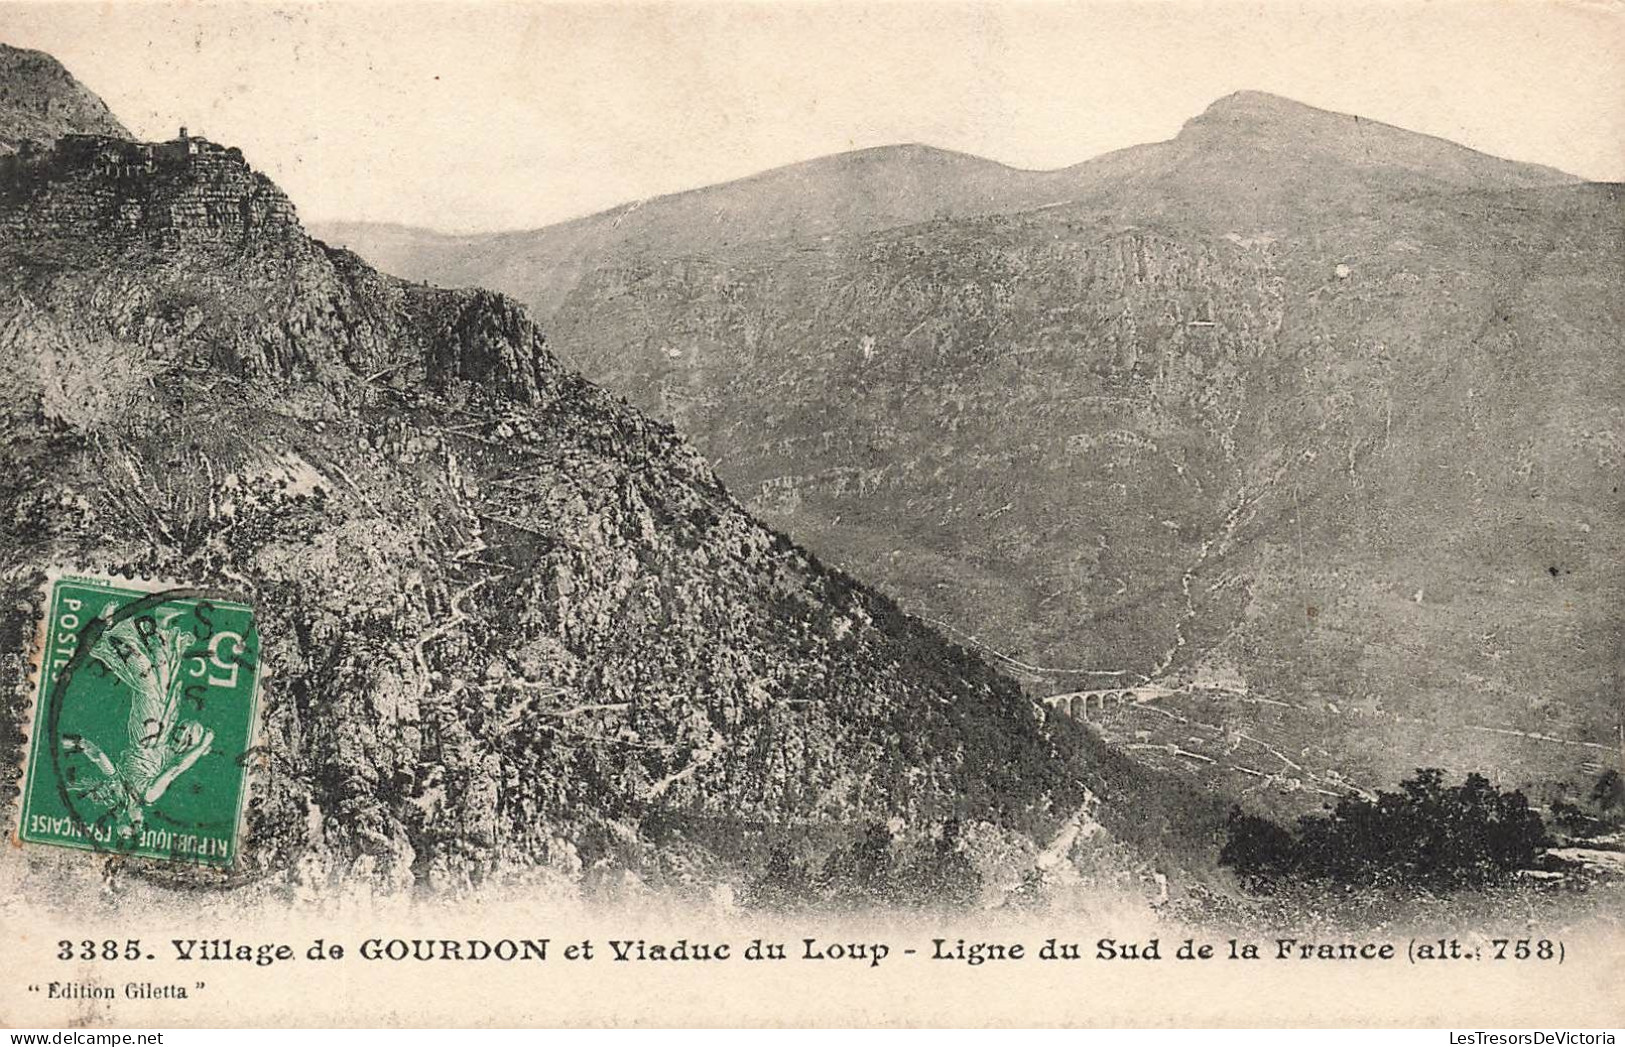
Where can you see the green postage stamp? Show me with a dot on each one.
(144, 712)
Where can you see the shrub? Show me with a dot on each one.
(1426, 836)
(872, 871)
(1260, 851)
(941, 876)
(1609, 792)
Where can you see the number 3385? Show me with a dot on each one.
(107, 949)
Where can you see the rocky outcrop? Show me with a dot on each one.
(40, 101)
(184, 242)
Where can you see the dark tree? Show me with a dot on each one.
(1260, 851)
(860, 873)
(1609, 793)
(942, 876)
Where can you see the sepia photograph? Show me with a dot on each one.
(906, 513)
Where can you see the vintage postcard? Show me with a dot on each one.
(1095, 513)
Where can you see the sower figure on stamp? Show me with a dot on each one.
(147, 656)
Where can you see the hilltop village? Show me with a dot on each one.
(94, 184)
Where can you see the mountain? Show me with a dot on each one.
(1300, 141)
(887, 187)
(852, 192)
(513, 630)
(40, 101)
(1293, 441)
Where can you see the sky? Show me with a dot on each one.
(483, 116)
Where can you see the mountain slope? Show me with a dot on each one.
(40, 101)
(1249, 125)
(875, 189)
(509, 624)
(851, 192)
(1306, 426)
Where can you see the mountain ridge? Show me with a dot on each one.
(1249, 108)
(887, 187)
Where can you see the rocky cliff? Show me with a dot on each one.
(40, 101)
(104, 189)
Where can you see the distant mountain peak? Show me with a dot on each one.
(1260, 101)
(912, 151)
(1260, 120)
(41, 101)
(901, 158)
(1260, 109)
